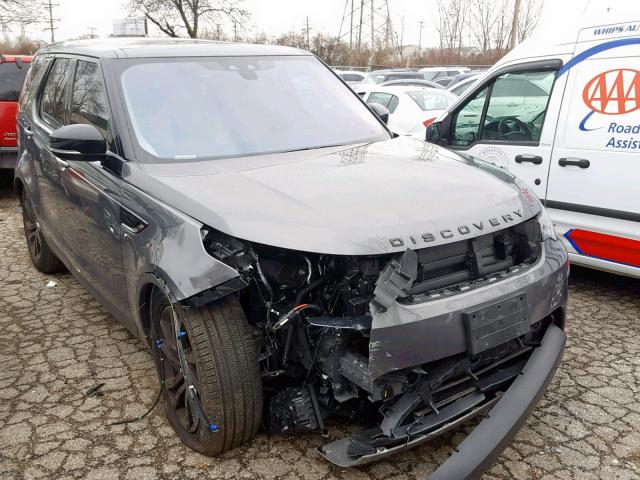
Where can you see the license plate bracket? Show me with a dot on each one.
(495, 324)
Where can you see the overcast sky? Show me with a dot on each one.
(275, 17)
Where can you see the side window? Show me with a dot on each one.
(53, 100)
(517, 106)
(11, 79)
(388, 100)
(352, 77)
(32, 80)
(393, 104)
(459, 90)
(515, 111)
(88, 100)
(466, 123)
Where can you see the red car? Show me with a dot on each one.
(13, 70)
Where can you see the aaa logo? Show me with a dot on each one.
(613, 92)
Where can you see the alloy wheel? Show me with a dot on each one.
(180, 372)
(32, 229)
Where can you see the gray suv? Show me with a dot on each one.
(288, 261)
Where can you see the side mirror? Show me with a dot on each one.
(433, 132)
(381, 111)
(78, 142)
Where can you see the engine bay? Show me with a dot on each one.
(313, 314)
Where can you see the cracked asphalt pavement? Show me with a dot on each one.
(57, 342)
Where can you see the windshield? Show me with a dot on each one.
(431, 100)
(11, 78)
(205, 108)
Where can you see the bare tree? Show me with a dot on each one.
(528, 18)
(502, 28)
(482, 19)
(176, 18)
(18, 15)
(451, 23)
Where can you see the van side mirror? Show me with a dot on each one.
(381, 111)
(433, 132)
(78, 142)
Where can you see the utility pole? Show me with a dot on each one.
(351, 29)
(308, 38)
(373, 30)
(401, 46)
(360, 26)
(514, 26)
(217, 31)
(49, 6)
(92, 32)
(235, 31)
(420, 24)
(369, 25)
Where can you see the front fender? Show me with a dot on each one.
(167, 252)
(24, 177)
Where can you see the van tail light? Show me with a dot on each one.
(428, 122)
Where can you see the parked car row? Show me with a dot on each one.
(411, 97)
(438, 77)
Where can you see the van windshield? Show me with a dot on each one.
(11, 79)
(220, 107)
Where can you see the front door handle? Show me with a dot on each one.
(575, 162)
(529, 159)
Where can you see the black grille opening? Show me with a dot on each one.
(458, 264)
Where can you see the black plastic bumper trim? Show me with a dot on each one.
(485, 444)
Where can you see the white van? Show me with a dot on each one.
(565, 118)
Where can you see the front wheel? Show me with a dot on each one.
(207, 359)
(41, 254)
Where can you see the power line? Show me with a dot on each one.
(367, 18)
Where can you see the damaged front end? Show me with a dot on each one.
(409, 345)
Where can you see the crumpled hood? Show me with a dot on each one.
(359, 200)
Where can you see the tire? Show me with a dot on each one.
(41, 255)
(221, 354)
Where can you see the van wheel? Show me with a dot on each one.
(207, 361)
(41, 255)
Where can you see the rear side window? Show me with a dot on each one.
(386, 99)
(88, 101)
(459, 90)
(403, 77)
(352, 77)
(53, 101)
(11, 80)
(430, 101)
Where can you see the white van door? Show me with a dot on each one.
(510, 120)
(593, 192)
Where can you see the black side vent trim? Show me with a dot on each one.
(131, 222)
